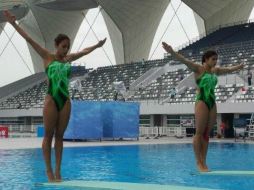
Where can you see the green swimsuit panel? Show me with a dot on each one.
(207, 83)
(58, 75)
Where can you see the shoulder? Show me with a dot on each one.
(200, 70)
(68, 58)
(216, 70)
(49, 60)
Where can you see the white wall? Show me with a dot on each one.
(151, 107)
(21, 113)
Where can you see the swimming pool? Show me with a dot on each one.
(171, 164)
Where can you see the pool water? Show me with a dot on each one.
(171, 164)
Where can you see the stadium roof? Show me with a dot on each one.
(217, 13)
(132, 24)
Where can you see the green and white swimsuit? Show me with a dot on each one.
(58, 75)
(207, 83)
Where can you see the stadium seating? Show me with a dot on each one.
(234, 45)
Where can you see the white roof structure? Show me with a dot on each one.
(132, 24)
(217, 13)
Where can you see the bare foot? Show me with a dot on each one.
(205, 166)
(58, 177)
(51, 177)
(202, 168)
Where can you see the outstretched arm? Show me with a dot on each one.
(225, 70)
(75, 56)
(191, 65)
(40, 50)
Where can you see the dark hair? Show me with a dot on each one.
(60, 38)
(208, 54)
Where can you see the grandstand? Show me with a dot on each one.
(97, 85)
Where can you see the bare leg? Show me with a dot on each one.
(50, 117)
(204, 149)
(201, 118)
(63, 120)
(211, 122)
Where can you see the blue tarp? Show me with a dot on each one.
(97, 120)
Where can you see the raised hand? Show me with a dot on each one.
(167, 47)
(101, 42)
(9, 17)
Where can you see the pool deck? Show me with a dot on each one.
(27, 143)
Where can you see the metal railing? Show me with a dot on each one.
(22, 128)
(162, 131)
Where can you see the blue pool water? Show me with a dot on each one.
(158, 164)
